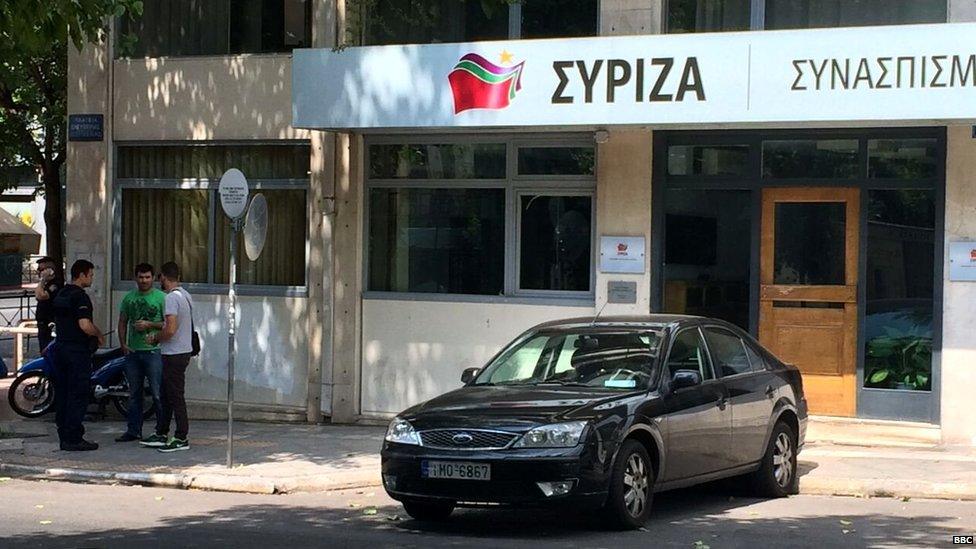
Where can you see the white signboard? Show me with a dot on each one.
(233, 193)
(867, 75)
(962, 261)
(622, 254)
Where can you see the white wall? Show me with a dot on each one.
(272, 355)
(416, 350)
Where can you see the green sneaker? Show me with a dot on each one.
(175, 445)
(154, 441)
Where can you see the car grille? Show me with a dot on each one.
(466, 439)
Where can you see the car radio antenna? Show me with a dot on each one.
(600, 312)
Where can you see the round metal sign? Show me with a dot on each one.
(233, 193)
(256, 227)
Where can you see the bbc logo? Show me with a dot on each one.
(964, 540)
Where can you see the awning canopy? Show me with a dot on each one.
(15, 237)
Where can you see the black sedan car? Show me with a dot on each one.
(602, 413)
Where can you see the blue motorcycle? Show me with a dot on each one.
(32, 392)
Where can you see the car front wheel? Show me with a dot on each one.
(777, 476)
(628, 504)
(429, 510)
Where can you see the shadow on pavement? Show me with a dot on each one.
(708, 515)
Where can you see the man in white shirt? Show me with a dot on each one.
(176, 344)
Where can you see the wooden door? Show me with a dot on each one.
(808, 289)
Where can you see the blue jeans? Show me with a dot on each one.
(139, 366)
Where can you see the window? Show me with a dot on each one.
(555, 242)
(170, 211)
(688, 353)
(559, 18)
(439, 216)
(556, 160)
(160, 225)
(449, 241)
(898, 319)
(597, 358)
(717, 160)
(707, 15)
(210, 27)
(385, 22)
(811, 158)
(903, 158)
(437, 161)
(707, 264)
(727, 351)
(755, 358)
(804, 14)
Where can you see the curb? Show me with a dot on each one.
(890, 488)
(203, 481)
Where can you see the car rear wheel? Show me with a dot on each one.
(777, 476)
(429, 510)
(628, 504)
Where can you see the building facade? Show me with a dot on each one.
(439, 182)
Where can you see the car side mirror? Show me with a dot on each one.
(468, 374)
(685, 378)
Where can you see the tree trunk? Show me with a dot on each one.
(51, 178)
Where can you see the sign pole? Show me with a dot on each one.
(231, 341)
(233, 191)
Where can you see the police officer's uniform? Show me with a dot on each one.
(72, 363)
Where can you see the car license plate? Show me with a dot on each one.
(457, 470)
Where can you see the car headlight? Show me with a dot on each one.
(557, 435)
(401, 432)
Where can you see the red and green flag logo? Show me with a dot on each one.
(480, 84)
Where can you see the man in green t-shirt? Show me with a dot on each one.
(141, 315)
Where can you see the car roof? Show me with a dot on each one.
(633, 321)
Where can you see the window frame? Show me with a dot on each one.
(727, 331)
(514, 186)
(757, 20)
(667, 358)
(215, 215)
(117, 27)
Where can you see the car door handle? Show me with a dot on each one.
(769, 391)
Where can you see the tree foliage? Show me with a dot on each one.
(34, 40)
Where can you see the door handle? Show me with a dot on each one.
(769, 391)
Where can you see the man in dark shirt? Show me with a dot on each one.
(77, 334)
(47, 289)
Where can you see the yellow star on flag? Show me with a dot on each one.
(506, 57)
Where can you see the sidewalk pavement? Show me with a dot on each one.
(283, 458)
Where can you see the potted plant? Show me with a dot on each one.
(899, 360)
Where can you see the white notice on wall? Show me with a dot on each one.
(622, 254)
(962, 261)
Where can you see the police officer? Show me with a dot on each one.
(77, 337)
(45, 292)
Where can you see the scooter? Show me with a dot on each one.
(32, 392)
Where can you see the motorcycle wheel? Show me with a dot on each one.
(148, 406)
(31, 394)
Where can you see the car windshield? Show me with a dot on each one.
(599, 358)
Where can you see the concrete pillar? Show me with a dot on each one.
(623, 201)
(88, 186)
(959, 298)
(347, 276)
(321, 199)
(624, 166)
(627, 17)
(962, 11)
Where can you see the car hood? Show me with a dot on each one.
(511, 408)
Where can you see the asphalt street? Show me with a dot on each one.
(53, 514)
